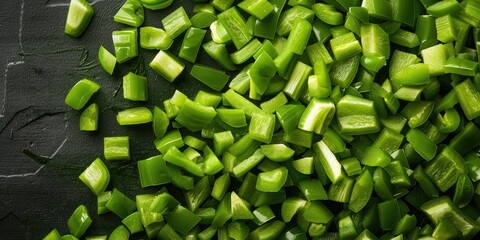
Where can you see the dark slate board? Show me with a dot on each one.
(38, 64)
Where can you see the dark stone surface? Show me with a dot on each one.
(38, 64)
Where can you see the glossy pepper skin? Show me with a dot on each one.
(80, 93)
(79, 15)
(131, 13)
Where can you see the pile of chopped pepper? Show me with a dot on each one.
(333, 119)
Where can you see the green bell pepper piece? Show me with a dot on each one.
(272, 181)
(133, 223)
(329, 161)
(152, 171)
(421, 144)
(80, 93)
(96, 177)
(131, 13)
(116, 148)
(106, 60)
(120, 233)
(125, 43)
(356, 115)
(182, 220)
(79, 15)
(167, 66)
(79, 221)
(154, 38)
(446, 168)
(120, 204)
(156, 4)
(362, 191)
(89, 118)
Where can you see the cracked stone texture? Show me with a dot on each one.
(38, 64)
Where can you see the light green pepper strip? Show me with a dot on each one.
(466, 140)
(79, 15)
(389, 213)
(257, 8)
(289, 116)
(219, 33)
(222, 5)
(191, 44)
(243, 167)
(405, 38)
(426, 31)
(274, 103)
(167, 232)
(152, 171)
(299, 35)
(297, 82)
(261, 72)
(380, 9)
(89, 118)
(277, 152)
(79, 221)
(172, 138)
(219, 53)
(342, 73)
(398, 175)
(388, 140)
(213, 78)
(329, 161)
(285, 63)
(267, 26)
(347, 228)
(263, 214)
(268, 231)
(461, 66)
(469, 98)
(233, 117)
(316, 212)
(125, 43)
(195, 116)
(446, 168)
(357, 115)
(319, 84)
(341, 190)
(399, 61)
(221, 141)
(421, 144)
(178, 179)
(120, 204)
(412, 75)
(208, 98)
(287, 18)
(163, 203)
(203, 19)
(177, 158)
(235, 25)
(116, 148)
(443, 8)
(96, 176)
(448, 122)
(199, 194)
(176, 22)
(182, 220)
(262, 126)
(272, 181)
(327, 13)
(221, 186)
(240, 208)
(292, 206)
(131, 13)
(362, 191)
(154, 38)
(156, 4)
(160, 122)
(133, 223)
(383, 187)
(446, 30)
(80, 93)
(239, 102)
(167, 66)
(106, 60)
(375, 157)
(351, 166)
(246, 52)
(53, 235)
(345, 46)
(267, 47)
(435, 57)
(134, 116)
(102, 200)
(464, 191)
(417, 112)
(317, 116)
(317, 52)
(443, 208)
(135, 87)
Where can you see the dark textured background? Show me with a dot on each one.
(38, 65)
